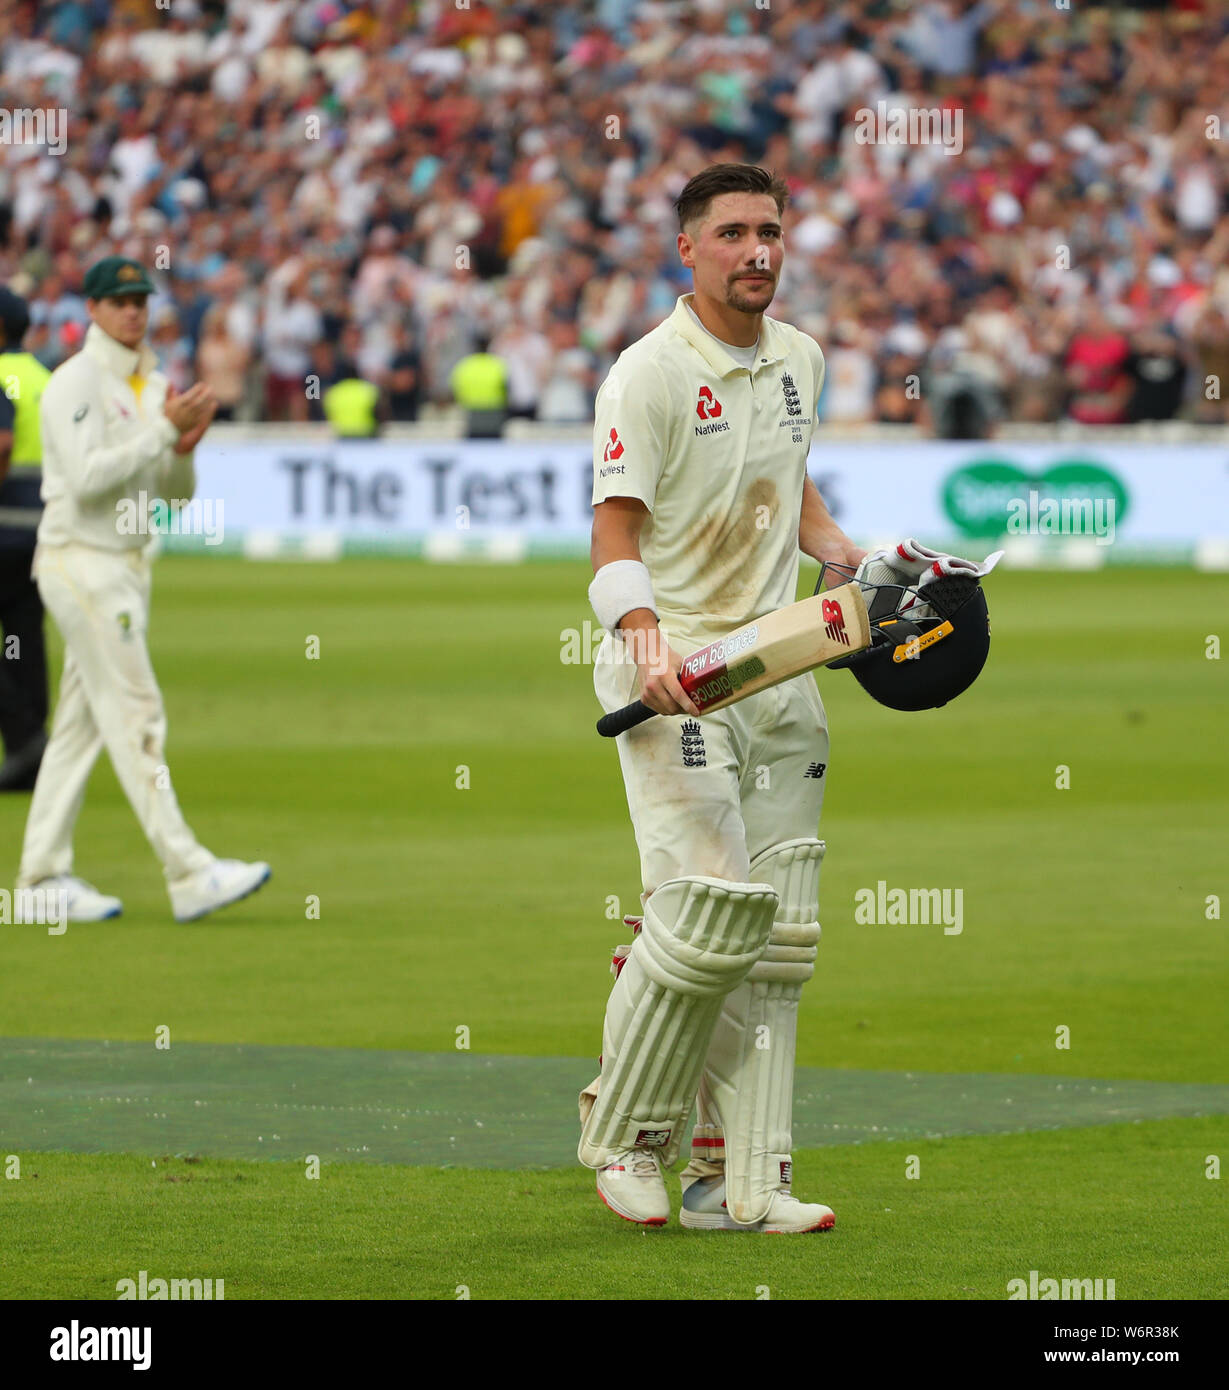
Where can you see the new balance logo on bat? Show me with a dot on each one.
(834, 621)
(724, 649)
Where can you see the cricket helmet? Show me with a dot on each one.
(928, 646)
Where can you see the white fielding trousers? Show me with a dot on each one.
(109, 698)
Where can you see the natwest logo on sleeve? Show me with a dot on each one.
(614, 447)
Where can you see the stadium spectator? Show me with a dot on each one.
(292, 326)
(449, 338)
(384, 274)
(327, 369)
(1098, 381)
(897, 399)
(402, 380)
(353, 407)
(479, 383)
(849, 383)
(567, 396)
(942, 35)
(222, 362)
(528, 354)
(1036, 387)
(465, 167)
(1210, 340)
(57, 307)
(23, 667)
(1158, 374)
(174, 349)
(522, 203)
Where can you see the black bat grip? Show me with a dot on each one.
(620, 720)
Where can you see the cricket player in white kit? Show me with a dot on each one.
(702, 505)
(114, 439)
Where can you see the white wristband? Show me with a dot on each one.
(619, 587)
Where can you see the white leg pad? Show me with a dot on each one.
(701, 937)
(746, 1093)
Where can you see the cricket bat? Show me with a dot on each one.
(772, 649)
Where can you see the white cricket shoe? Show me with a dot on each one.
(223, 882)
(704, 1209)
(75, 900)
(632, 1187)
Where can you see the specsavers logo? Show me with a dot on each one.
(994, 497)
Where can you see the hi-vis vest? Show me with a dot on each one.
(350, 407)
(480, 382)
(22, 378)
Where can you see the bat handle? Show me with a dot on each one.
(620, 720)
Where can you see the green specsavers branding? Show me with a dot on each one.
(1076, 497)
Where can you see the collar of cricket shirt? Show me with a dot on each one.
(113, 355)
(772, 340)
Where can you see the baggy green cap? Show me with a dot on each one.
(116, 275)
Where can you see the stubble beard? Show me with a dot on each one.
(749, 301)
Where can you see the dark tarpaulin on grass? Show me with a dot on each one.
(473, 1111)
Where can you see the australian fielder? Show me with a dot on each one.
(702, 504)
(114, 440)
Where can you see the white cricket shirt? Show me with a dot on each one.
(718, 454)
(104, 445)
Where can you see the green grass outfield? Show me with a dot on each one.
(1127, 1202)
(486, 909)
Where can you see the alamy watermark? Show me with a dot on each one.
(143, 515)
(39, 907)
(77, 1343)
(884, 906)
(586, 646)
(156, 1289)
(1036, 515)
(26, 126)
(1034, 1287)
(910, 125)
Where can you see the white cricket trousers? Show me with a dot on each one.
(109, 698)
(706, 796)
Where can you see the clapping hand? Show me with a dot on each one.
(190, 413)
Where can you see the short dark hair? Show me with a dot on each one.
(693, 202)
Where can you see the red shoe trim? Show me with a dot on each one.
(652, 1221)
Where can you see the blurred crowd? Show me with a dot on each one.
(328, 189)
